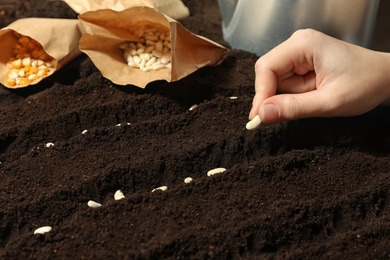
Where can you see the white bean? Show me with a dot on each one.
(145, 56)
(42, 230)
(119, 195)
(93, 204)
(140, 50)
(254, 123)
(158, 66)
(166, 58)
(215, 171)
(162, 188)
(151, 37)
(157, 53)
(193, 107)
(149, 49)
(49, 145)
(84, 132)
(123, 45)
(159, 46)
(188, 180)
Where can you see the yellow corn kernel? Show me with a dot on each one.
(22, 55)
(13, 74)
(42, 72)
(44, 56)
(36, 53)
(32, 77)
(26, 61)
(27, 69)
(34, 70)
(21, 73)
(24, 81)
(24, 40)
(16, 64)
(10, 82)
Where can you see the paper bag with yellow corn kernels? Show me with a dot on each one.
(140, 45)
(34, 48)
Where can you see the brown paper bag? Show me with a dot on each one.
(105, 30)
(173, 8)
(58, 37)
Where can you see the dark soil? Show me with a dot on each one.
(313, 188)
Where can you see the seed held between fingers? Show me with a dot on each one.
(254, 123)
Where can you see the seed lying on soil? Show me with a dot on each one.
(49, 145)
(233, 97)
(193, 107)
(188, 180)
(29, 63)
(152, 52)
(119, 195)
(254, 123)
(84, 132)
(42, 230)
(162, 188)
(93, 204)
(215, 171)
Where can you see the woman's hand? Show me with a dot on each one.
(314, 75)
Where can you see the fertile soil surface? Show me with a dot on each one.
(313, 188)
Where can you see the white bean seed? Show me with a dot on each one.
(157, 53)
(84, 132)
(254, 123)
(193, 107)
(151, 61)
(159, 46)
(166, 58)
(49, 145)
(150, 42)
(146, 68)
(93, 204)
(42, 230)
(158, 66)
(145, 56)
(188, 180)
(119, 195)
(123, 45)
(162, 188)
(215, 171)
(149, 49)
(151, 37)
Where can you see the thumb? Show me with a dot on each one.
(291, 106)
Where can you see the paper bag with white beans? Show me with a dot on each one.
(151, 34)
(173, 8)
(34, 48)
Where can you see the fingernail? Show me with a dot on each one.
(269, 112)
